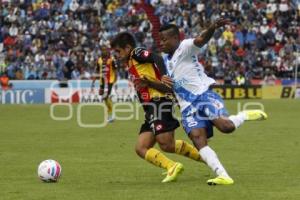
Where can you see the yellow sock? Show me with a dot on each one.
(186, 149)
(108, 103)
(158, 159)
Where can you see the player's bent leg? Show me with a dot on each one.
(144, 149)
(187, 150)
(215, 110)
(224, 124)
(198, 137)
(158, 159)
(228, 125)
(146, 140)
(166, 142)
(208, 155)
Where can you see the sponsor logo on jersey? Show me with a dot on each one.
(158, 127)
(146, 53)
(191, 124)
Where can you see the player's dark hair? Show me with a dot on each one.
(174, 30)
(123, 39)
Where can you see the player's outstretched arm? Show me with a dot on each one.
(205, 36)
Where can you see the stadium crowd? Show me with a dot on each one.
(55, 39)
(262, 40)
(62, 39)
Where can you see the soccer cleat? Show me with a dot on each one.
(110, 119)
(220, 180)
(255, 115)
(173, 172)
(164, 173)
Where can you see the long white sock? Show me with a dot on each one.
(238, 119)
(212, 160)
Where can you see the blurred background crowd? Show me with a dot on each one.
(56, 39)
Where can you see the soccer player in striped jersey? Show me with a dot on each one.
(106, 71)
(145, 69)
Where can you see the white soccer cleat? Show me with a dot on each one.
(110, 119)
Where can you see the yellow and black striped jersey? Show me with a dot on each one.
(143, 63)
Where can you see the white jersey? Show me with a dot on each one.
(188, 74)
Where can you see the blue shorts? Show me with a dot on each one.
(200, 114)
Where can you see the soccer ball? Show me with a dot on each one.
(49, 171)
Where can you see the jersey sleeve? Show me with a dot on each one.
(142, 55)
(189, 46)
(160, 64)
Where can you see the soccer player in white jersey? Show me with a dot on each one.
(201, 108)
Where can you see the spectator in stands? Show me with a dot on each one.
(240, 79)
(68, 69)
(38, 38)
(3, 65)
(228, 78)
(257, 38)
(270, 78)
(4, 82)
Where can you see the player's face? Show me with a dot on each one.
(122, 53)
(105, 52)
(168, 41)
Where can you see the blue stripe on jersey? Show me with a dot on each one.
(185, 94)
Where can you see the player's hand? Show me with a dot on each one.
(167, 81)
(221, 22)
(101, 91)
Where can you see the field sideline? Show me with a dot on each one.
(100, 163)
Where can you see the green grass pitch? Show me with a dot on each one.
(100, 163)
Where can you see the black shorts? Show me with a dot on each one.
(159, 117)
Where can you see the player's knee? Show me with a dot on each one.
(198, 141)
(140, 151)
(226, 127)
(167, 147)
